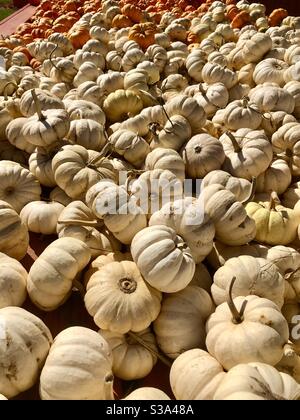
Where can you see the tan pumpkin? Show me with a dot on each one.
(25, 343)
(161, 158)
(132, 147)
(77, 169)
(254, 276)
(257, 381)
(188, 311)
(276, 178)
(120, 213)
(13, 279)
(41, 216)
(134, 355)
(285, 142)
(147, 393)
(202, 154)
(120, 104)
(189, 221)
(240, 187)
(120, 300)
(248, 152)
(51, 276)
(195, 375)
(78, 367)
(246, 329)
(164, 259)
(18, 185)
(275, 224)
(78, 221)
(233, 225)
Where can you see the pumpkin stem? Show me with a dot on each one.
(251, 192)
(274, 200)
(237, 316)
(5, 89)
(234, 142)
(50, 58)
(245, 102)
(76, 222)
(37, 105)
(161, 102)
(142, 342)
(201, 89)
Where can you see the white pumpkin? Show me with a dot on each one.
(13, 279)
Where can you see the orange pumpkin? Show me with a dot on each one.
(24, 50)
(121, 21)
(143, 34)
(35, 64)
(232, 11)
(277, 16)
(134, 13)
(240, 20)
(79, 36)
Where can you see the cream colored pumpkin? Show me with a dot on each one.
(285, 141)
(254, 276)
(51, 276)
(195, 375)
(45, 99)
(245, 74)
(290, 362)
(270, 97)
(25, 343)
(110, 82)
(77, 169)
(240, 114)
(14, 135)
(78, 367)
(120, 300)
(257, 381)
(164, 259)
(87, 133)
(147, 393)
(256, 47)
(233, 225)
(175, 132)
(13, 279)
(252, 329)
(215, 96)
(180, 325)
(18, 185)
(9, 152)
(202, 278)
(131, 359)
(41, 216)
(248, 152)
(214, 73)
(84, 109)
(202, 154)
(132, 147)
(90, 91)
(14, 238)
(189, 221)
(40, 165)
(188, 108)
(276, 178)
(161, 158)
(87, 72)
(120, 213)
(78, 221)
(272, 121)
(275, 224)
(63, 70)
(270, 70)
(240, 187)
(154, 188)
(293, 88)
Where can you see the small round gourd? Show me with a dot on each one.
(240, 187)
(87, 133)
(51, 276)
(13, 279)
(41, 216)
(147, 393)
(246, 329)
(162, 158)
(164, 259)
(79, 367)
(25, 343)
(14, 237)
(195, 375)
(120, 300)
(180, 325)
(134, 354)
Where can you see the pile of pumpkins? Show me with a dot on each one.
(207, 283)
